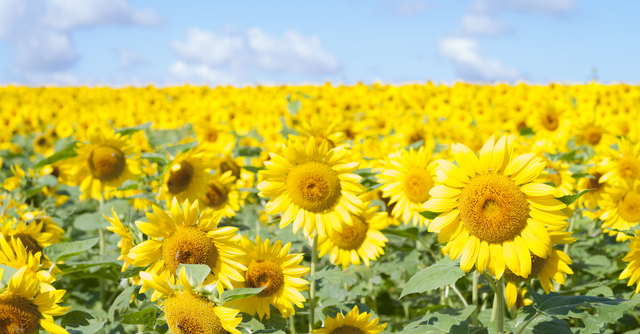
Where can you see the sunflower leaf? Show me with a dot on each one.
(430, 215)
(132, 271)
(7, 272)
(145, 317)
(569, 199)
(155, 157)
(293, 107)
(133, 129)
(240, 293)
(409, 233)
(122, 302)
(68, 152)
(175, 149)
(445, 272)
(196, 273)
(67, 250)
(80, 322)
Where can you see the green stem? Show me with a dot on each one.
(527, 323)
(292, 324)
(474, 298)
(312, 288)
(490, 280)
(102, 250)
(634, 315)
(453, 286)
(499, 305)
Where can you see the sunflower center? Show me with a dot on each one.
(592, 135)
(188, 313)
(347, 329)
(55, 171)
(629, 207)
(216, 193)
(106, 163)
(550, 121)
(180, 177)
(352, 236)
(493, 208)
(314, 186)
(594, 182)
(230, 165)
(18, 315)
(188, 245)
(265, 273)
(417, 184)
(629, 167)
(30, 244)
(211, 135)
(537, 264)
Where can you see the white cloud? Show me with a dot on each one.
(470, 64)
(73, 14)
(129, 59)
(482, 24)
(537, 6)
(411, 7)
(216, 56)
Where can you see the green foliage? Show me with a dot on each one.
(445, 272)
(66, 250)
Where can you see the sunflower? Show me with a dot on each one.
(34, 229)
(408, 178)
(353, 322)
(102, 165)
(24, 307)
(61, 172)
(186, 237)
(188, 312)
(222, 194)
(320, 130)
(550, 122)
(15, 255)
(592, 181)
(126, 240)
(279, 272)
(362, 240)
(632, 271)
(620, 208)
(187, 176)
(491, 213)
(559, 174)
(624, 163)
(311, 186)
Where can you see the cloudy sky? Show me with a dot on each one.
(135, 42)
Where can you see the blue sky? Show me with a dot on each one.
(123, 42)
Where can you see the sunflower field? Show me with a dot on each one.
(358, 209)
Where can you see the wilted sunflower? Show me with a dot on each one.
(352, 323)
(362, 240)
(222, 194)
(408, 178)
(126, 240)
(179, 237)
(620, 208)
(188, 312)
(313, 187)
(102, 164)
(279, 272)
(632, 271)
(24, 307)
(187, 176)
(491, 213)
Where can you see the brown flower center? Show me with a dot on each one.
(188, 313)
(180, 177)
(537, 264)
(594, 182)
(592, 135)
(493, 208)
(188, 245)
(217, 193)
(417, 184)
(230, 165)
(347, 329)
(30, 244)
(18, 315)
(314, 186)
(550, 121)
(352, 236)
(265, 273)
(629, 207)
(106, 163)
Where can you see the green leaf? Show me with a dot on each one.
(128, 185)
(240, 293)
(249, 190)
(332, 273)
(7, 272)
(409, 233)
(445, 272)
(155, 157)
(527, 132)
(68, 152)
(196, 273)
(80, 322)
(121, 303)
(569, 199)
(89, 221)
(437, 323)
(133, 129)
(247, 151)
(415, 145)
(67, 250)
(430, 215)
(254, 169)
(145, 317)
(294, 107)
(542, 323)
(44, 181)
(132, 271)
(175, 149)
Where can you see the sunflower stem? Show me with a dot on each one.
(102, 247)
(634, 315)
(498, 306)
(528, 322)
(292, 324)
(312, 288)
(474, 298)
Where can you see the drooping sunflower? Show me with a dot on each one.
(360, 241)
(352, 322)
(408, 178)
(632, 271)
(187, 176)
(620, 208)
(188, 312)
(186, 237)
(492, 214)
(24, 307)
(222, 194)
(102, 164)
(279, 272)
(312, 186)
(126, 240)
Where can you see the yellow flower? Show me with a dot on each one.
(188, 312)
(279, 272)
(492, 215)
(34, 229)
(186, 237)
(624, 163)
(24, 307)
(187, 176)
(408, 178)
(353, 322)
(222, 194)
(362, 240)
(632, 271)
(126, 240)
(15, 255)
(312, 186)
(620, 208)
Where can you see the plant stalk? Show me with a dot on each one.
(474, 298)
(312, 288)
(292, 324)
(102, 251)
(499, 305)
